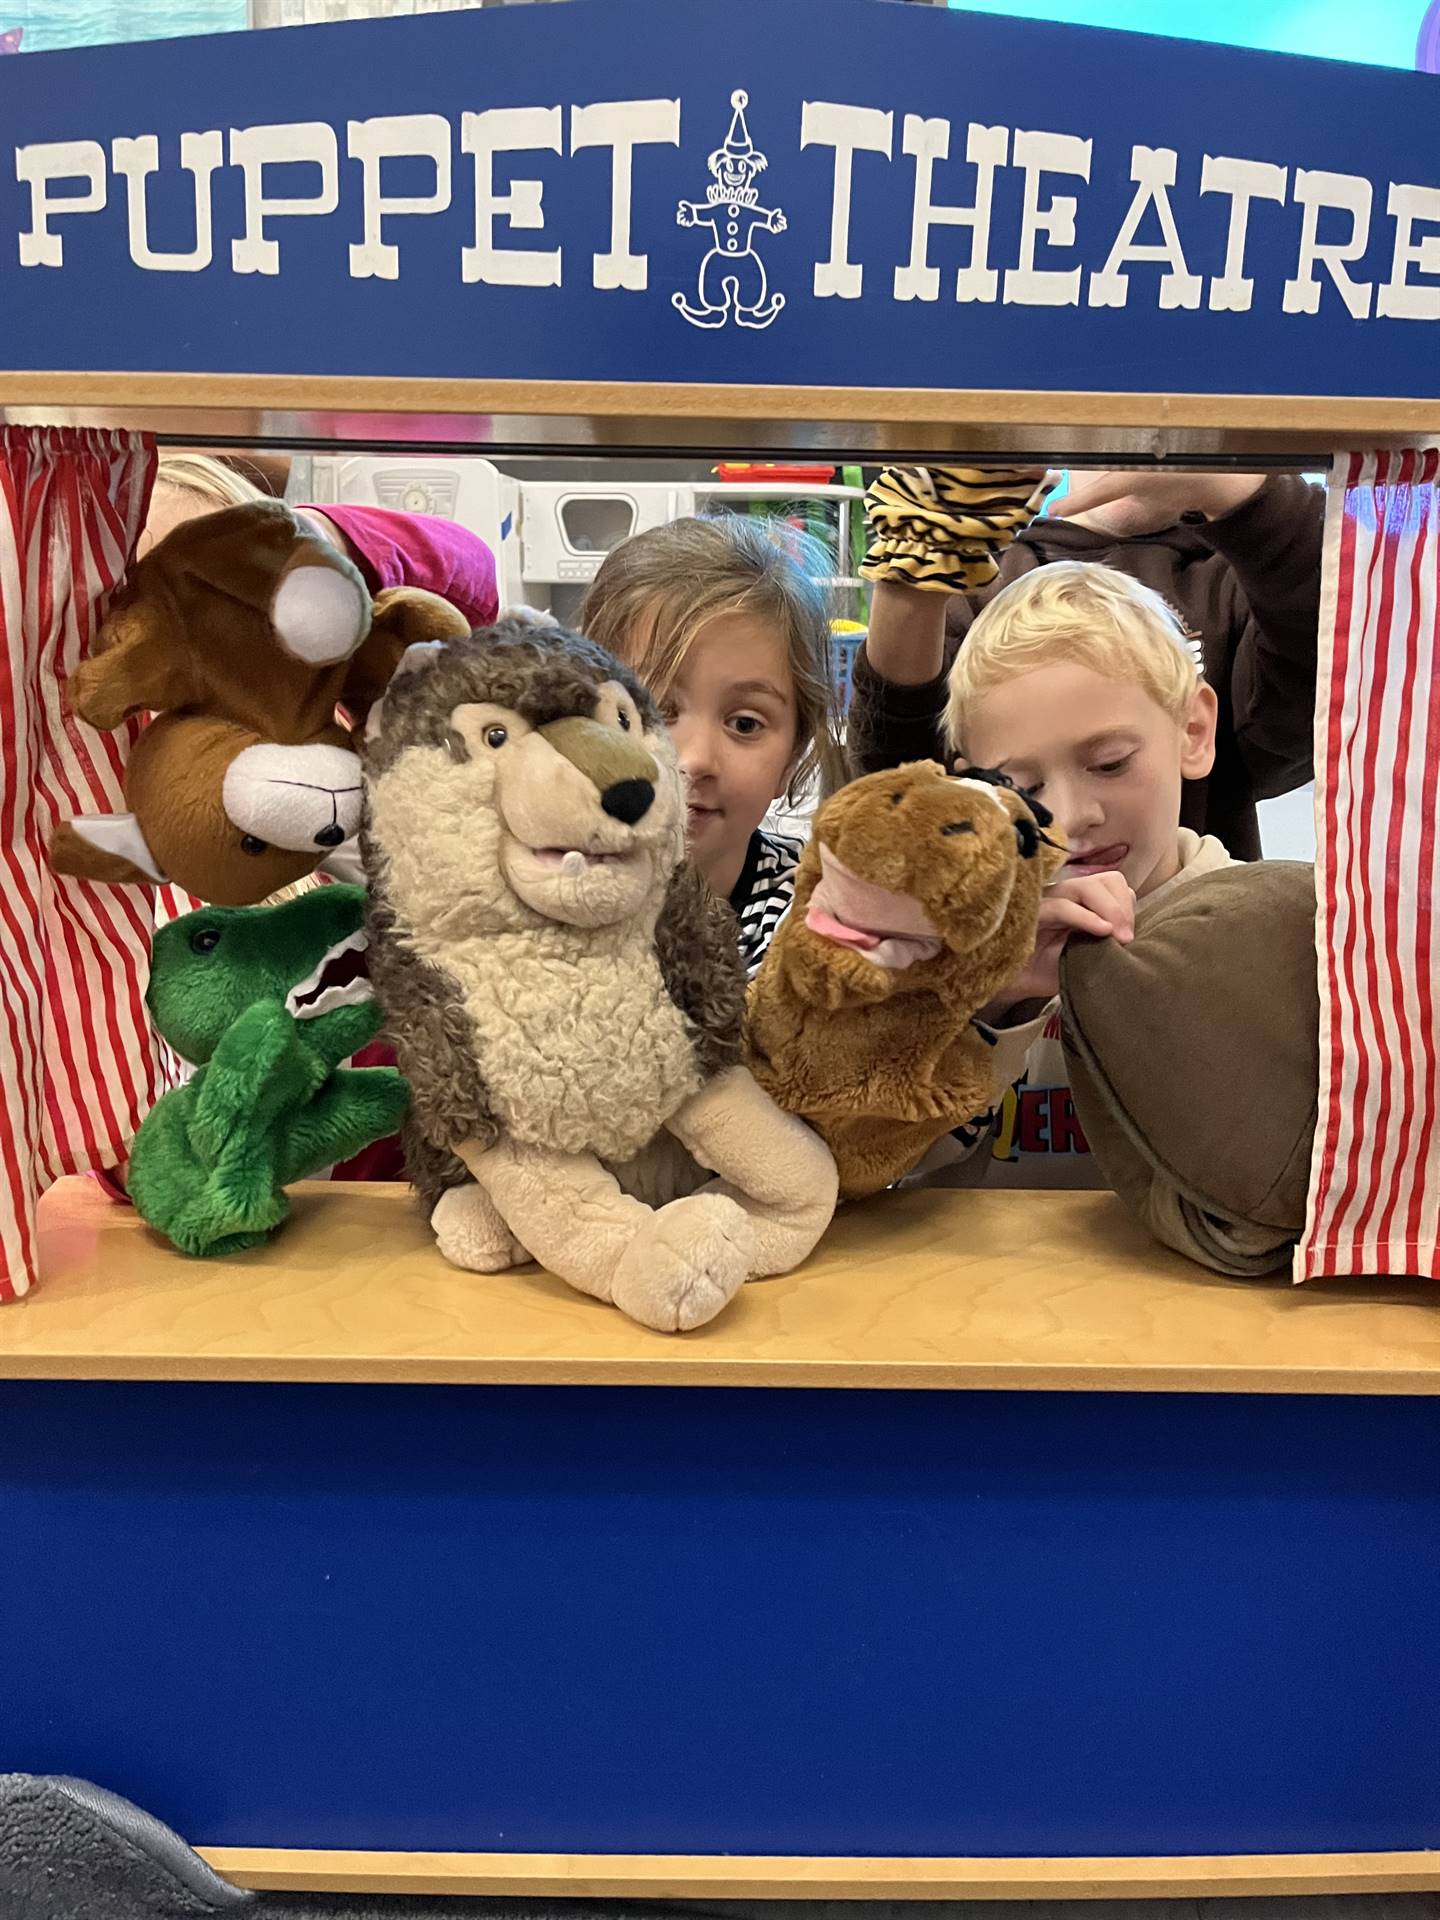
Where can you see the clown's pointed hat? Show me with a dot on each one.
(737, 141)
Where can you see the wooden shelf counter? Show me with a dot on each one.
(919, 1290)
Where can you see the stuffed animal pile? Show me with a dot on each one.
(565, 994)
(916, 900)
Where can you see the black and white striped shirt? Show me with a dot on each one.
(761, 896)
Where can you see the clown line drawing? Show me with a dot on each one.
(732, 274)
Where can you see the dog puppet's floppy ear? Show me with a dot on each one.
(180, 616)
(136, 666)
(404, 618)
(264, 558)
(106, 847)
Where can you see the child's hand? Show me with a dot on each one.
(1099, 904)
(1143, 502)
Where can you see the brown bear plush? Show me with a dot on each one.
(915, 901)
(242, 632)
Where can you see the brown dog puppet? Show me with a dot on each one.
(242, 632)
(916, 900)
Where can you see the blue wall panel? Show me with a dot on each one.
(667, 1620)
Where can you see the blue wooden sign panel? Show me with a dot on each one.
(668, 1620)
(836, 192)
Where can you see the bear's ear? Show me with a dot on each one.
(107, 847)
(404, 619)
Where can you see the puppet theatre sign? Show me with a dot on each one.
(833, 192)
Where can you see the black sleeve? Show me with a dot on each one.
(1273, 546)
(889, 725)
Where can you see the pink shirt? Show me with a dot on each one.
(420, 550)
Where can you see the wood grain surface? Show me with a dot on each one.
(935, 1289)
(1341, 415)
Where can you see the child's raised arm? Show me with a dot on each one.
(934, 532)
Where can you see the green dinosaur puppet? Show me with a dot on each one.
(265, 1002)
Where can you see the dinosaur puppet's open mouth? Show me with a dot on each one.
(888, 929)
(340, 980)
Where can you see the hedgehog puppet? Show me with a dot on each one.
(564, 993)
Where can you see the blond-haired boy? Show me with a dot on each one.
(1079, 683)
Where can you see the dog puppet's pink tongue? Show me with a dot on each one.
(890, 929)
(825, 924)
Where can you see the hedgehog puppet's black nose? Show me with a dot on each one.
(330, 836)
(628, 800)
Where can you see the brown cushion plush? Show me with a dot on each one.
(1194, 1062)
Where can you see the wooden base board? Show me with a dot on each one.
(605, 1876)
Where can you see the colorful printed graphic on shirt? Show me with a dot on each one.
(1039, 1119)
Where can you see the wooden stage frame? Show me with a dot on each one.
(983, 1291)
(589, 417)
(1046, 1293)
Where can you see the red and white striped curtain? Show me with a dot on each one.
(1375, 1177)
(78, 1064)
